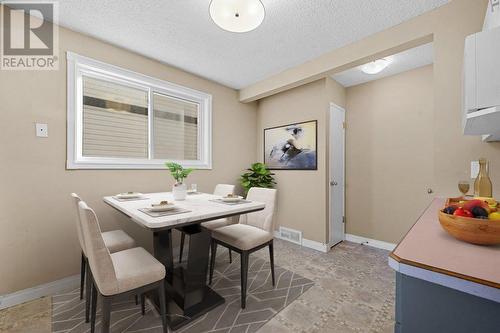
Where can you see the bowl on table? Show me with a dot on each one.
(129, 195)
(480, 231)
(231, 198)
(163, 206)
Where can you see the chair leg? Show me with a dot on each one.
(143, 304)
(93, 308)
(82, 275)
(271, 259)
(106, 314)
(213, 246)
(230, 257)
(183, 238)
(244, 276)
(88, 291)
(163, 306)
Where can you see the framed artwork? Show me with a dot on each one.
(292, 147)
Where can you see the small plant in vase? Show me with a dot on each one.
(258, 175)
(179, 190)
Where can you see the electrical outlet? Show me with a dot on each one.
(474, 169)
(42, 130)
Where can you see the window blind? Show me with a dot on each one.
(175, 132)
(115, 120)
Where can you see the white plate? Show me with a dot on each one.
(162, 208)
(129, 195)
(231, 199)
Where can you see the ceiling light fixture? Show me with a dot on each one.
(237, 15)
(376, 66)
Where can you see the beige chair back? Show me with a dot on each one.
(79, 231)
(223, 189)
(98, 254)
(262, 219)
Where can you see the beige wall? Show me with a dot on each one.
(302, 194)
(37, 232)
(389, 153)
(451, 152)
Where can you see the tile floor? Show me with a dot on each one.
(354, 290)
(29, 317)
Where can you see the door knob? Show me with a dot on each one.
(333, 183)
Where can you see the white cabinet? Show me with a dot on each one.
(492, 18)
(482, 83)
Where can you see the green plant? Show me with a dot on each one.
(258, 176)
(178, 172)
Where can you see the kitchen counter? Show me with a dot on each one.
(443, 284)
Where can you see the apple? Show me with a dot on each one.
(472, 203)
(469, 205)
(462, 212)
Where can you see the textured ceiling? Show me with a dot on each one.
(400, 62)
(181, 33)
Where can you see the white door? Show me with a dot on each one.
(336, 178)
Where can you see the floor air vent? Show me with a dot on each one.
(291, 235)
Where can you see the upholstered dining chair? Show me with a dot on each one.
(131, 271)
(220, 190)
(254, 232)
(114, 240)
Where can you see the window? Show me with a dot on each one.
(118, 119)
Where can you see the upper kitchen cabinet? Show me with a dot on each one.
(482, 81)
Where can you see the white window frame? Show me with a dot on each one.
(79, 66)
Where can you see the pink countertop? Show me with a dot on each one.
(427, 245)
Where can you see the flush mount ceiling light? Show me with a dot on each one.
(237, 15)
(376, 66)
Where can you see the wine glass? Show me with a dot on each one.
(194, 188)
(464, 187)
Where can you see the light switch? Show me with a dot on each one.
(42, 130)
(474, 169)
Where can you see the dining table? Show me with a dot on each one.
(187, 292)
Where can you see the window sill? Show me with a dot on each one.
(146, 165)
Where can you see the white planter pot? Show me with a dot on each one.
(179, 191)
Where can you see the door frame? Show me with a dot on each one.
(335, 108)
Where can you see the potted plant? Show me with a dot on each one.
(257, 176)
(179, 190)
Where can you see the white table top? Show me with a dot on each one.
(200, 206)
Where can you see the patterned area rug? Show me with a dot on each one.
(263, 303)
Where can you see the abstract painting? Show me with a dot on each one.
(291, 147)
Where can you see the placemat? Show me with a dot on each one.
(166, 213)
(129, 199)
(230, 203)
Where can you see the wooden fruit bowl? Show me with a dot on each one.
(470, 230)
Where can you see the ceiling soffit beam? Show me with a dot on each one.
(409, 34)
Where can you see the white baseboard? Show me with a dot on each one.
(370, 242)
(307, 243)
(42, 290)
(315, 245)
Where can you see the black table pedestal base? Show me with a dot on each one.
(177, 318)
(187, 293)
